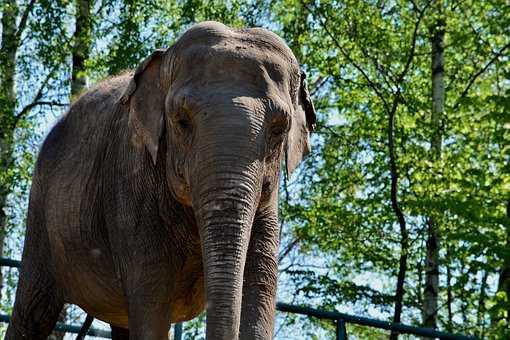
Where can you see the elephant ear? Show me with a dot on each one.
(146, 101)
(302, 124)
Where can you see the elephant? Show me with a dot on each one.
(156, 195)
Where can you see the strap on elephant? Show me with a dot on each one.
(85, 327)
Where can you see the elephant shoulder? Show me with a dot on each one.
(96, 107)
(103, 95)
(81, 132)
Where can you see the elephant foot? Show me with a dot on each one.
(119, 333)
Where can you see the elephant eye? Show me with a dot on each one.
(184, 123)
(278, 130)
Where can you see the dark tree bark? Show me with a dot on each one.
(419, 270)
(404, 233)
(481, 305)
(504, 275)
(449, 292)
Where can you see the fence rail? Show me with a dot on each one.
(74, 329)
(340, 320)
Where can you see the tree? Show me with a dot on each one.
(339, 212)
(11, 39)
(82, 45)
(431, 287)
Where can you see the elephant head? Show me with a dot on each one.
(231, 106)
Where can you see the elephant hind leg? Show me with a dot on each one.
(39, 300)
(37, 308)
(119, 333)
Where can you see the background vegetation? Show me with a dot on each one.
(401, 212)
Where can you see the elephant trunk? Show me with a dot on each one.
(225, 199)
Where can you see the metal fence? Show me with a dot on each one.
(340, 320)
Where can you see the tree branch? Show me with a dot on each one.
(24, 20)
(410, 56)
(404, 233)
(371, 83)
(318, 84)
(289, 248)
(478, 74)
(101, 7)
(37, 98)
(30, 106)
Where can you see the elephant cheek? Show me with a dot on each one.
(182, 194)
(180, 190)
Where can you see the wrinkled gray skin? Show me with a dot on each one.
(156, 195)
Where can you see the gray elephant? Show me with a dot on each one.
(156, 195)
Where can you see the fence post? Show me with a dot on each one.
(178, 331)
(341, 331)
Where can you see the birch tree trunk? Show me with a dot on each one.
(431, 287)
(449, 293)
(81, 48)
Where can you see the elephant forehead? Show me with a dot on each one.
(236, 54)
(240, 66)
(212, 33)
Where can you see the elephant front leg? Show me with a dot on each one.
(260, 279)
(149, 287)
(148, 319)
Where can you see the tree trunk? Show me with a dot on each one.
(419, 270)
(404, 233)
(463, 296)
(10, 43)
(504, 276)
(431, 289)
(449, 293)
(82, 45)
(481, 305)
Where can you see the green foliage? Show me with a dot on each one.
(342, 210)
